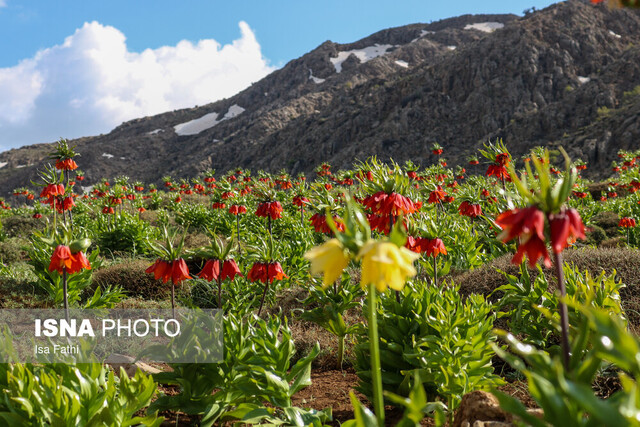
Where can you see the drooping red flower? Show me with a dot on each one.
(52, 190)
(474, 162)
(627, 222)
(218, 205)
(413, 244)
(67, 165)
(580, 194)
(229, 270)
(237, 209)
(269, 209)
(68, 203)
(437, 152)
(257, 272)
(179, 271)
(78, 262)
(566, 227)
(319, 222)
(470, 209)
(61, 259)
(211, 270)
(433, 247)
(528, 225)
(503, 159)
(141, 209)
(499, 171)
(37, 215)
(385, 204)
(300, 201)
(437, 195)
(266, 272)
(160, 269)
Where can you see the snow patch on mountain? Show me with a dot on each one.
(487, 27)
(154, 132)
(316, 80)
(584, 80)
(614, 34)
(107, 155)
(403, 64)
(364, 55)
(207, 121)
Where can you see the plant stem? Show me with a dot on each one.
(376, 374)
(264, 294)
(173, 301)
(435, 272)
(65, 297)
(340, 350)
(238, 232)
(627, 236)
(564, 315)
(220, 289)
(269, 222)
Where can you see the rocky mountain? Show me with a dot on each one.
(566, 75)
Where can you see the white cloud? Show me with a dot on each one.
(3, 3)
(91, 83)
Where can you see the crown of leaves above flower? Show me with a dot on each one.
(551, 193)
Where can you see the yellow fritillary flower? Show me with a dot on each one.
(328, 258)
(385, 264)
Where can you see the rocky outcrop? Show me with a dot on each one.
(566, 75)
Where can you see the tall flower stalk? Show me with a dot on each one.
(545, 215)
(385, 263)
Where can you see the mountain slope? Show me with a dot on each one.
(555, 76)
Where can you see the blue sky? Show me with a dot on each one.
(63, 63)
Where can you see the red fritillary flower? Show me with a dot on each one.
(300, 201)
(176, 271)
(160, 269)
(320, 225)
(227, 195)
(502, 159)
(437, 152)
(78, 262)
(385, 204)
(433, 247)
(52, 190)
(269, 209)
(471, 210)
(473, 162)
(566, 227)
(229, 270)
(237, 209)
(266, 272)
(627, 222)
(499, 171)
(211, 270)
(37, 215)
(413, 244)
(67, 165)
(218, 205)
(580, 194)
(141, 209)
(437, 195)
(528, 225)
(60, 259)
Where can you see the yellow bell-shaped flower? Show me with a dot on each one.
(385, 264)
(329, 259)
